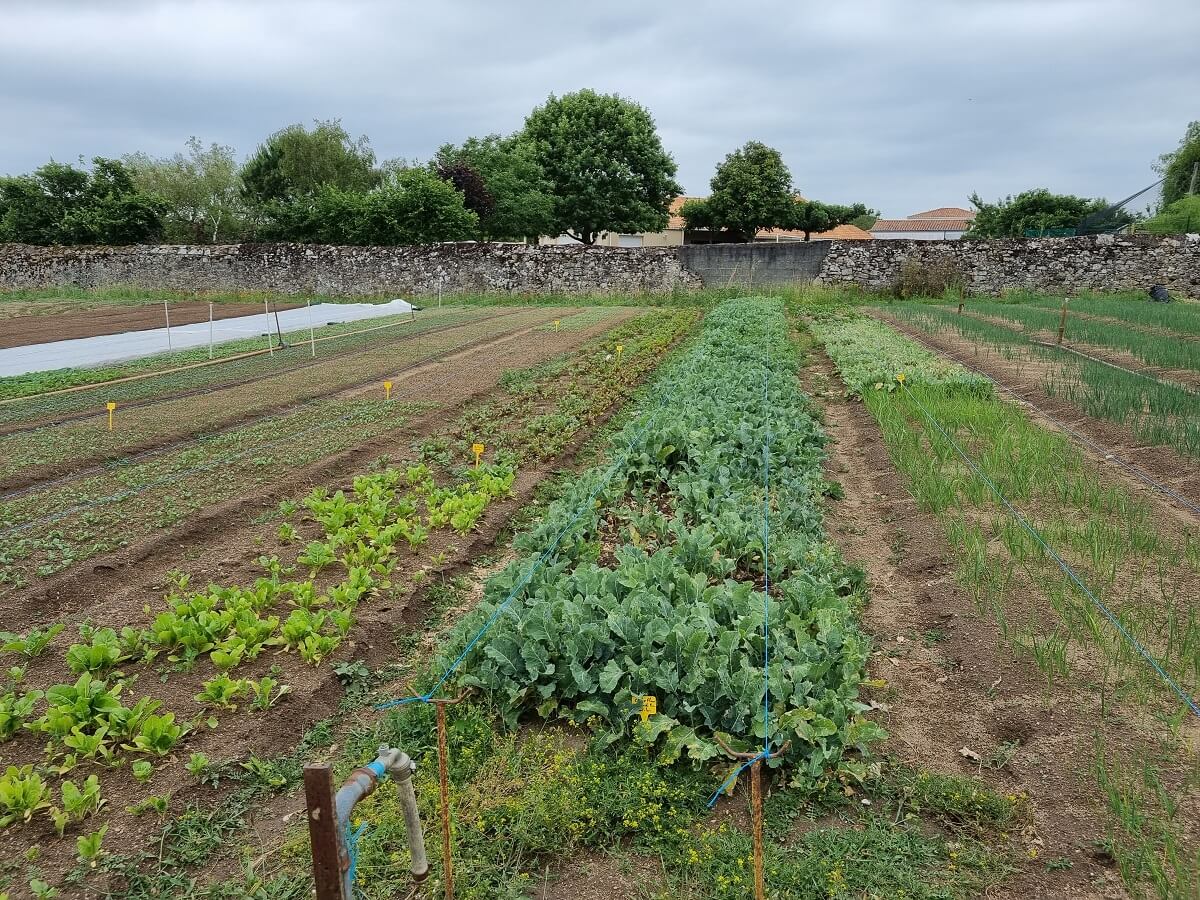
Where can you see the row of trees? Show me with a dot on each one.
(583, 164)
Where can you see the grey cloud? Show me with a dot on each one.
(902, 105)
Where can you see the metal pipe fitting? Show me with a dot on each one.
(329, 818)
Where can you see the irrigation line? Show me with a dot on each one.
(273, 414)
(1082, 438)
(1053, 554)
(523, 582)
(67, 418)
(1161, 381)
(167, 479)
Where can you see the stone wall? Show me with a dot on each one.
(343, 271)
(1068, 265)
(988, 267)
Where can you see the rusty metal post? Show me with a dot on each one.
(444, 788)
(1062, 321)
(323, 834)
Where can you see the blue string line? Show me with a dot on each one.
(351, 838)
(766, 537)
(766, 555)
(620, 461)
(734, 777)
(1062, 564)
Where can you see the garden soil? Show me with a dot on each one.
(965, 690)
(23, 330)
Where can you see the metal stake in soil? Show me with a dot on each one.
(1062, 322)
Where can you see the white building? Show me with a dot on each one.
(947, 223)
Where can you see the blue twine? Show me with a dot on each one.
(766, 538)
(521, 584)
(732, 778)
(766, 558)
(1050, 551)
(351, 837)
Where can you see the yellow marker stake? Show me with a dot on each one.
(649, 705)
(110, 406)
(900, 378)
(477, 449)
(387, 390)
(556, 326)
(620, 347)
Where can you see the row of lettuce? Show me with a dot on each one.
(645, 579)
(300, 608)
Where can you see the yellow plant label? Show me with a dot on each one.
(387, 390)
(556, 321)
(110, 406)
(900, 378)
(477, 449)
(649, 705)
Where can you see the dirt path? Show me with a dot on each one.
(52, 325)
(952, 685)
(1026, 378)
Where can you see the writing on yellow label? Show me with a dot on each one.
(477, 449)
(648, 703)
(387, 390)
(110, 406)
(620, 347)
(900, 378)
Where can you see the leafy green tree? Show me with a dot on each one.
(295, 163)
(522, 201)
(752, 189)
(1035, 210)
(202, 190)
(607, 165)
(1181, 217)
(413, 207)
(1177, 167)
(60, 204)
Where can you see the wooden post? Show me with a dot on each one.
(323, 835)
(1062, 321)
(960, 307)
(167, 314)
(760, 889)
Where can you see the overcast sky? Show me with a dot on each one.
(902, 105)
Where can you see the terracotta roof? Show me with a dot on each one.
(921, 225)
(838, 233)
(944, 212)
(676, 220)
